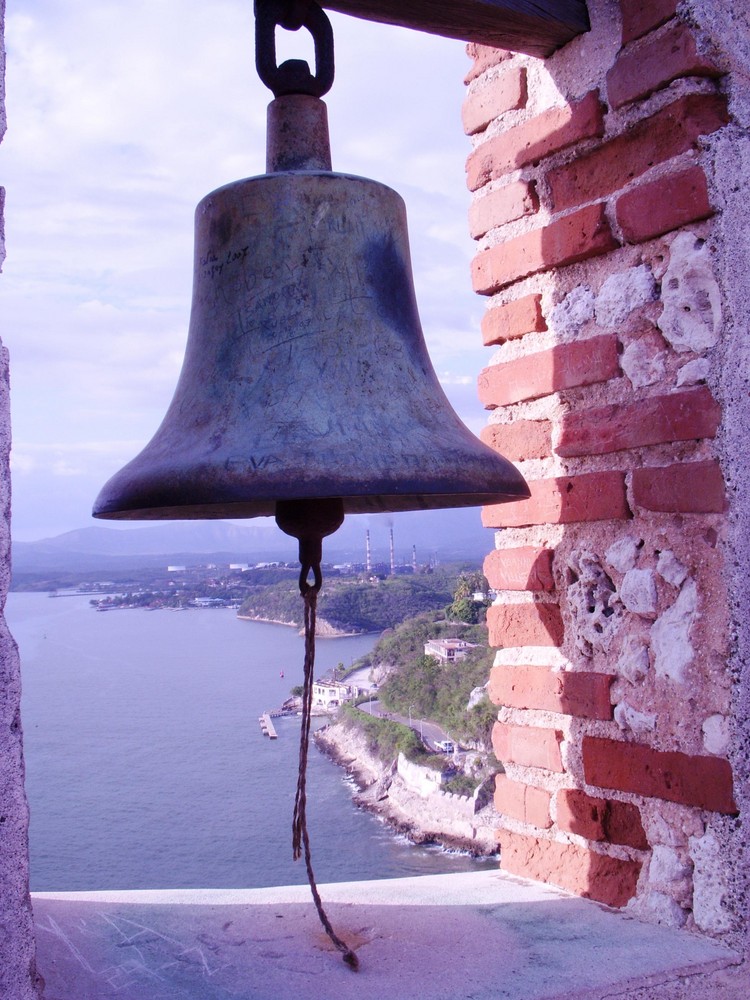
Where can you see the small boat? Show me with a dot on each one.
(281, 673)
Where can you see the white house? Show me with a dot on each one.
(448, 650)
(331, 694)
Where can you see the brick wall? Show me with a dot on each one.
(594, 206)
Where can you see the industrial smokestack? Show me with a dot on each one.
(393, 556)
(368, 553)
(414, 558)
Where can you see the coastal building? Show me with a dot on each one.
(448, 650)
(332, 694)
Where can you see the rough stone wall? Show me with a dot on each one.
(610, 211)
(17, 964)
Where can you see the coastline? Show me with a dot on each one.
(323, 630)
(383, 791)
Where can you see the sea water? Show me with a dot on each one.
(146, 766)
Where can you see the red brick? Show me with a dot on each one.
(600, 819)
(528, 746)
(584, 694)
(663, 205)
(671, 131)
(578, 236)
(505, 92)
(591, 496)
(521, 439)
(642, 70)
(564, 366)
(683, 488)
(703, 782)
(484, 57)
(523, 802)
(513, 319)
(532, 140)
(640, 18)
(586, 873)
(520, 569)
(505, 204)
(680, 416)
(524, 625)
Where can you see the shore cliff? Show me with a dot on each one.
(423, 819)
(323, 629)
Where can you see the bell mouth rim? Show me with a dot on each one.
(353, 504)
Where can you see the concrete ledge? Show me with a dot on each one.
(442, 937)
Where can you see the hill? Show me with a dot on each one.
(353, 606)
(441, 535)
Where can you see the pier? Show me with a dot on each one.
(267, 726)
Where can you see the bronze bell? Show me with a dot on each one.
(306, 374)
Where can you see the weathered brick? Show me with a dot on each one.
(547, 133)
(679, 416)
(640, 18)
(526, 803)
(591, 496)
(584, 694)
(671, 131)
(655, 63)
(513, 319)
(586, 873)
(524, 625)
(661, 206)
(505, 204)
(703, 782)
(529, 746)
(484, 57)
(564, 366)
(526, 568)
(600, 819)
(520, 440)
(578, 236)
(506, 92)
(684, 488)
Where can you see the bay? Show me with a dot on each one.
(146, 766)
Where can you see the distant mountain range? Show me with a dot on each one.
(444, 535)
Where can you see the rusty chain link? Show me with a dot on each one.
(294, 75)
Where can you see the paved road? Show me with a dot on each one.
(429, 732)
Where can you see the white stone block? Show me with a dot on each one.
(633, 663)
(638, 591)
(691, 318)
(709, 885)
(670, 568)
(670, 635)
(667, 866)
(716, 734)
(574, 311)
(629, 719)
(642, 363)
(622, 554)
(694, 371)
(622, 293)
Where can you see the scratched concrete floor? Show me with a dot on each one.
(484, 936)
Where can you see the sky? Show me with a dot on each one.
(121, 117)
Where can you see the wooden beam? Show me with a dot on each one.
(536, 27)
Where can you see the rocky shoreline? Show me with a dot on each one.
(323, 629)
(382, 790)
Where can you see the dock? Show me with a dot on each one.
(267, 726)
